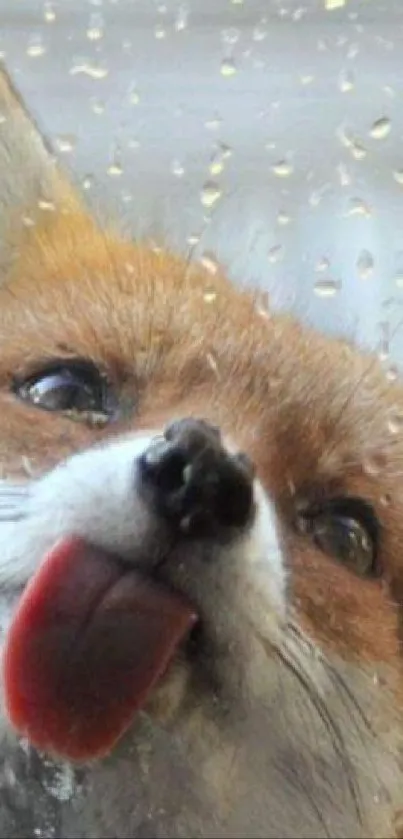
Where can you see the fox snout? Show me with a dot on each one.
(194, 482)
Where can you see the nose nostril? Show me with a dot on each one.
(195, 483)
(166, 465)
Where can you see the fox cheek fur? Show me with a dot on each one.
(246, 465)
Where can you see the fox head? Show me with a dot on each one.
(201, 518)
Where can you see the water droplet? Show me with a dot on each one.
(398, 176)
(210, 262)
(392, 374)
(133, 96)
(228, 67)
(36, 47)
(66, 143)
(323, 264)
(260, 31)
(354, 144)
(193, 239)
(359, 207)
(85, 68)
(395, 423)
(214, 123)
(299, 13)
(365, 264)
(344, 175)
(126, 196)
(177, 168)
(283, 218)
(115, 169)
(275, 253)
(210, 296)
(49, 13)
(381, 128)
(230, 36)
(327, 288)
(160, 32)
(182, 19)
(87, 181)
(346, 81)
(306, 78)
(374, 464)
(46, 205)
(95, 30)
(283, 169)
(63, 783)
(97, 105)
(210, 194)
(218, 159)
(334, 4)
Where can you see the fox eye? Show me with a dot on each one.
(75, 388)
(346, 529)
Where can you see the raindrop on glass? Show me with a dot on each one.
(306, 78)
(36, 47)
(275, 253)
(398, 176)
(115, 168)
(283, 169)
(359, 207)
(95, 29)
(209, 262)
(392, 374)
(346, 81)
(160, 32)
(374, 464)
(210, 194)
(85, 68)
(133, 95)
(182, 19)
(87, 181)
(230, 36)
(49, 13)
(177, 168)
(283, 218)
(344, 175)
(66, 143)
(395, 423)
(213, 124)
(381, 128)
(228, 67)
(365, 264)
(326, 288)
(260, 31)
(334, 4)
(97, 105)
(323, 264)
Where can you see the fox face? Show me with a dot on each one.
(200, 518)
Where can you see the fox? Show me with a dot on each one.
(201, 521)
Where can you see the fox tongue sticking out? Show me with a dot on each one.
(87, 643)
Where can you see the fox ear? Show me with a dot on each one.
(30, 180)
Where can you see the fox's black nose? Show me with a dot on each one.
(194, 482)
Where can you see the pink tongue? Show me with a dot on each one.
(86, 645)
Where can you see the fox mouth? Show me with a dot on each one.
(88, 642)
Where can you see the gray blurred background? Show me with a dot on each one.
(267, 134)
